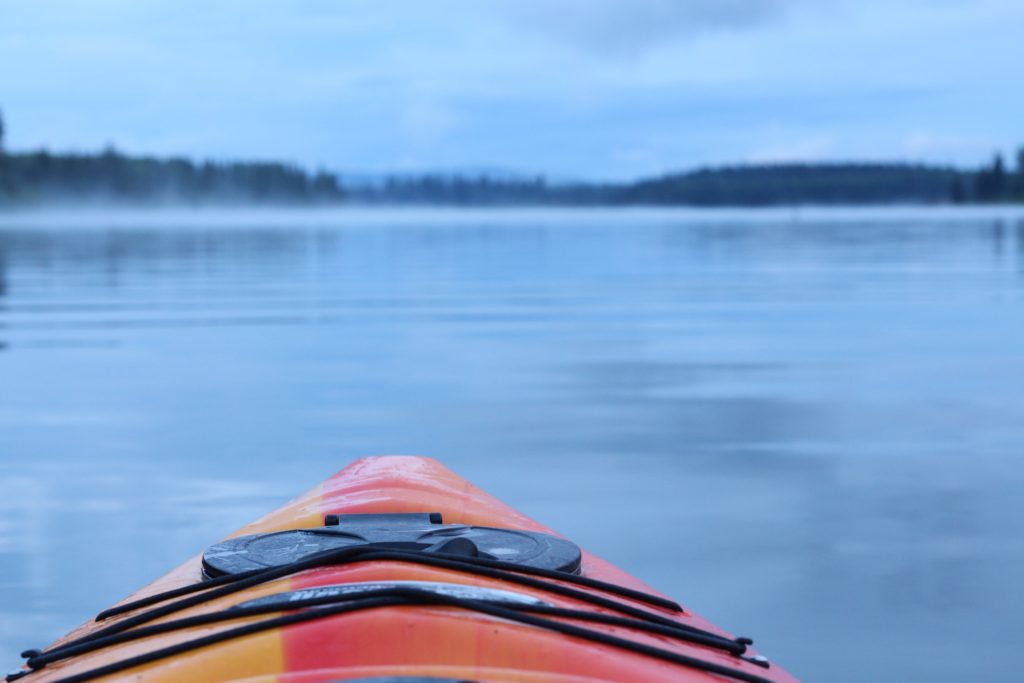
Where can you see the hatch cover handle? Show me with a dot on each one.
(384, 520)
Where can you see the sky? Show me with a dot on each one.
(573, 89)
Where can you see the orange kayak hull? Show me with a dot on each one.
(427, 641)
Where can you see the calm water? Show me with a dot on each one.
(807, 426)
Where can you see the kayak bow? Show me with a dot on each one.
(397, 570)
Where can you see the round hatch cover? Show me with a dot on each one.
(402, 531)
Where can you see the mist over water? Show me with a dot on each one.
(807, 426)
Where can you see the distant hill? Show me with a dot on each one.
(774, 184)
(751, 185)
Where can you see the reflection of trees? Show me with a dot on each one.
(175, 254)
(3, 283)
(1019, 243)
(999, 237)
(83, 286)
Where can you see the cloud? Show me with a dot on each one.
(573, 88)
(631, 27)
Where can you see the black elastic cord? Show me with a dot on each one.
(639, 596)
(186, 646)
(416, 597)
(132, 628)
(175, 593)
(368, 554)
(40, 660)
(459, 563)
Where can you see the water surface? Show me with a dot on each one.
(806, 425)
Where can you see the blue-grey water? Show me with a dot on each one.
(806, 425)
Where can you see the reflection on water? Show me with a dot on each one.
(815, 420)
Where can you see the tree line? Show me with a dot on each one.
(41, 177)
(749, 185)
(111, 177)
(991, 183)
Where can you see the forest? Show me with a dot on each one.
(43, 178)
(741, 185)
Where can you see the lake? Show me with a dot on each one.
(807, 425)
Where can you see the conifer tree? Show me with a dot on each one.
(1019, 184)
(998, 173)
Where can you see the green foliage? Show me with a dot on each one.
(112, 177)
(752, 185)
(993, 183)
(41, 177)
(782, 184)
(1018, 181)
(797, 184)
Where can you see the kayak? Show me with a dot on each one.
(396, 570)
